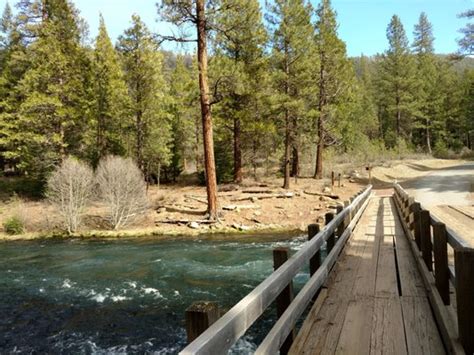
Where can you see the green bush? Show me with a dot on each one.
(13, 226)
(441, 150)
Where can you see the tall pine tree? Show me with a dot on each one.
(146, 87)
(334, 80)
(111, 103)
(293, 62)
(397, 82)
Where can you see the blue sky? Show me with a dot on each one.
(362, 22)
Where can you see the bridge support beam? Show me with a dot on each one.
(464, 265)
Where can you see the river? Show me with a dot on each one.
(126, 296)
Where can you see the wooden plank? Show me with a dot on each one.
(425, 235)
(275, 338)
(386, 284)
(443, 316)
(283, 300)
(464, 264)
(420, 328)
(305, 330)
(440, 249)
(388, 335)
(326, 325)
(355, 339)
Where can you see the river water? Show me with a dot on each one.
(124, 296)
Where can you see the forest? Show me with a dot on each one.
(254, 90)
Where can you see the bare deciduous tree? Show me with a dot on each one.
(69, 189)
(122, 187)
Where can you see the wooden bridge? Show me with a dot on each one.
(375, 292)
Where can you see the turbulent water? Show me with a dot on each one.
(123, 296)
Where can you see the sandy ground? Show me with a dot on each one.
(449, 194)
(249, 208)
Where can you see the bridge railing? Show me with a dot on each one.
(219, 337)
(432, 241)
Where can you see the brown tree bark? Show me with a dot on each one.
(286, 181)
(295, 162)
(318, 173)
(318, 170)
(238, 175)
(209, 162)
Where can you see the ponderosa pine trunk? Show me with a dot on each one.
(428, 136)
(295, 162)
(238, 175)
(318, 173)
(209, 162)
(286, 181)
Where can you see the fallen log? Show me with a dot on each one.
(185, 221)
(334, 197)
(265, 197)
(240, 207)
(196, 199)
(176, 209)
(257, 191)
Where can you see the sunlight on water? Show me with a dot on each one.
(124, 296)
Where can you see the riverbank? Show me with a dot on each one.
(262, 208)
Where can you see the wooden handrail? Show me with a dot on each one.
(453, 238)
(275, 338)
(219, 337)
(434, 233)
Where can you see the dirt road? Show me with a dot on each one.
(449, 194)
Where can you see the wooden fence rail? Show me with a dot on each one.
(430, 240)
(221, 335)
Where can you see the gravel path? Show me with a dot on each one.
(449, 187)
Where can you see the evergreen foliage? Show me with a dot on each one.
(281, 92)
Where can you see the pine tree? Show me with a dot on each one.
(183, 95)
(293, 62)
(397, 81)
(111, 103)
(428, 95)
(334, 79)
(146, 86)
(196, 13)
(241, 51)
(466, 43)
(50, 121)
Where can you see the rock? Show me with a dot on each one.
(257, 213)
(351, 180)
(161, 210)
(240, 227)
(300, 214)
(354, 174)
(326, 190)
(194, 225)
(254, 199)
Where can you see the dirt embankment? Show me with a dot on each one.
(252, 207)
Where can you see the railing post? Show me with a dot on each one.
(331, 240)
(342, 226)
(440, 250)
(339, 180)
(464, 266)
(332, 178)
(315, 261)
(416, 224)
(280, 256)
(425, 234)
(200, 316)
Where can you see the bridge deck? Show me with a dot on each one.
(374, 300)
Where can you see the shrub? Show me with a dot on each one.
(70, 189)
(13, 226)
(440, 150)
(122, 187)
